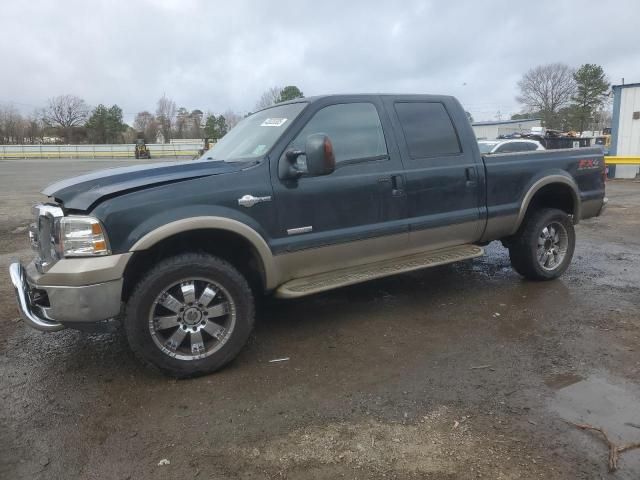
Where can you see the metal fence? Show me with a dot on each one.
(98, 151)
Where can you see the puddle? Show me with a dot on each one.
(601, 402)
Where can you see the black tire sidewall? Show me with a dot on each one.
(168, 273)
(524, 251)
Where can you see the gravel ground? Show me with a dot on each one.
(460, 371)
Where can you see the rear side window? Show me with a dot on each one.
(354, 129)
(427, 129)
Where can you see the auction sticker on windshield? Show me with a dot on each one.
(273, 122)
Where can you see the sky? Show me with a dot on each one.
(221, 55)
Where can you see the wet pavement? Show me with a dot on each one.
(460, 371)
(598, 401)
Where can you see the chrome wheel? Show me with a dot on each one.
(192, 319)
(552, 246)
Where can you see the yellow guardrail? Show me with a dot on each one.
(622, 160)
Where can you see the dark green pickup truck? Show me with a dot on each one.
(298, 198)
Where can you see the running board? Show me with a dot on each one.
(300, 287)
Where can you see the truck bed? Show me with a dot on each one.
(510, 176)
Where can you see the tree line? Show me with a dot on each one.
(65, 119)
(69, 119)
(565, 98)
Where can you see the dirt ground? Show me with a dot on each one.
(461, 371)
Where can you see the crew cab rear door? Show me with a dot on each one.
(445, 182)
(354, 214)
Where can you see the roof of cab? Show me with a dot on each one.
(316, 98)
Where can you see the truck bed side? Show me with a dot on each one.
(571, 179)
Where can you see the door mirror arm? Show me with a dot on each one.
(292, 170)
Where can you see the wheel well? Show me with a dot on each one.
(229, 246)
(555, 195)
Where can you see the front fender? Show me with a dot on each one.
(174, 227)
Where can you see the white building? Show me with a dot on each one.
(625, 127)
(492, 130)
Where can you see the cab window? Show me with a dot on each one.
(355, 131)
(428, 130)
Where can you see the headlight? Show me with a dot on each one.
(81, 237)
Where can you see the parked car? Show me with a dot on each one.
(298, 198)
(508, 146)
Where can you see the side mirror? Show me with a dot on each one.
(320, 158)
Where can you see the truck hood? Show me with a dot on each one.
(80, 193)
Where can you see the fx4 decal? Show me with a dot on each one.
(588, 164)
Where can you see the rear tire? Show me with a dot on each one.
(190, 315)
(543, 247)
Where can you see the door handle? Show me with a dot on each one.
(470, 174)
(397, 185)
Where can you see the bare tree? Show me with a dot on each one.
(268, 98)
(232, 118)
(196, 117)
(165, 115)
(142, 120)
(17, 129)
(34, 128)
(601, 118)
(146, 123)
(183, 122)
(11, 125)
(547, 89)
(66, 112)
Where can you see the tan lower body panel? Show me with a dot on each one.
(78, 272)
(348, 276)
(314, 261)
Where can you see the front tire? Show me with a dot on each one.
(543, 247)
(190, 315)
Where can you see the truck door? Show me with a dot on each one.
(357, 213)
(444, 181)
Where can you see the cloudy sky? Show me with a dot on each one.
(219, 55)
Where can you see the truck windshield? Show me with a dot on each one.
(255, 135)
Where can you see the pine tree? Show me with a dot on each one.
(591, 90)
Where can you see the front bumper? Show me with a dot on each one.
(50, 308)
(36, 319)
